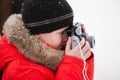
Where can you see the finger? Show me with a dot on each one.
(87, 54)
(86, 47)
(82, 42)
(68, 44)
(83, 28)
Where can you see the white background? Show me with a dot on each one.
(102, 19)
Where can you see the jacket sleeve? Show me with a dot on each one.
(71, 68)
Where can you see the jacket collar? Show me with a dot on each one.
(29, 46)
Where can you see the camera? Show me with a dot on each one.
(75, 31)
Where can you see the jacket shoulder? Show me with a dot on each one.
(7, 52)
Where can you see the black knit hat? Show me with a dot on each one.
(43, 16)
(16, 6)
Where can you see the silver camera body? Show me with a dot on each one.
(76, 33)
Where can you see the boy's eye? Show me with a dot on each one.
(63, 32)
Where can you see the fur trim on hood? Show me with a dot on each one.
(28, 45)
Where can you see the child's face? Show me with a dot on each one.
(56, 39)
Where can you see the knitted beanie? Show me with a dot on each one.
(16, 6)
(44, 16)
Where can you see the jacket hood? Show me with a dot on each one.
(29, 46)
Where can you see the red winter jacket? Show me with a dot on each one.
(17, 67)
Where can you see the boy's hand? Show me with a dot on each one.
(85, 48)
(83, 28)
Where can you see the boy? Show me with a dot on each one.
(36, 45)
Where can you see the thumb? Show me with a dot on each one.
(68, 44)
